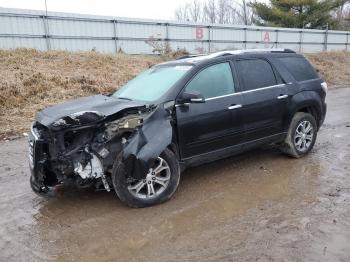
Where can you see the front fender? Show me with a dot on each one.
(147, 143)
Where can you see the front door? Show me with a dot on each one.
(215, 124)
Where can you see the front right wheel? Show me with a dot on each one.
(301, 135)
(158, 185)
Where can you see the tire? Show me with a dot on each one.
(125, 190)
(292, 145)
(41, 191)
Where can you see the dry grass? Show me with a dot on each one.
(31, 80)
(334, 67)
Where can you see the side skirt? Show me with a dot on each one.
(229, 151)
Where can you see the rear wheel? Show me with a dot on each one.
(159, 184)
(301, 136)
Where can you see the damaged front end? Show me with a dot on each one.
(81, 148)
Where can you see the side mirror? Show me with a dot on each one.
(191, 97)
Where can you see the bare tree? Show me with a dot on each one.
(243, 12)
(181, 13)
(346, 18)
(342, 15)
(195, 11)
(216, 11)
(222, 11)
(209, 11)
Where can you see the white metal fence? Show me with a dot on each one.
(76, 32)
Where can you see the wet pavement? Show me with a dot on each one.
(259, 206)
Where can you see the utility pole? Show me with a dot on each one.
(46, 28)
(245, 12)
(45, 8)
(326, 39)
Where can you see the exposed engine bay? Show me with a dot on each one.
(82, 147)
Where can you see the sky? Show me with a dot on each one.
(152, 9)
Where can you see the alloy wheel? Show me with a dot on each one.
(155, 182)
(303, 136)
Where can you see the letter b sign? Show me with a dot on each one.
(199, 33)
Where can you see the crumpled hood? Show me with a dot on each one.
(101, 106)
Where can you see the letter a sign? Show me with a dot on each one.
(266, 37)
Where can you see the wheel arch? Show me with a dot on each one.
(307, 102)
(312, 110)
(175, 149)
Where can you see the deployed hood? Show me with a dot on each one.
(84, 110)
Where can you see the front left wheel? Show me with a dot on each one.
(160, 183)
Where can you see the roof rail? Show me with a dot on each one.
(198, 57)
(188, 56)
(245, 51)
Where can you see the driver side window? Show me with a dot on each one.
(213, 81)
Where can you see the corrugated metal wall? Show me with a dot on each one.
(75, 32)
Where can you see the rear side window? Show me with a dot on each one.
(255, 74)
(299, 67)
(215, 80)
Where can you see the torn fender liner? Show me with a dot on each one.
(148, 142)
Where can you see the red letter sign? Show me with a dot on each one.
(199, 33)
(266, 37)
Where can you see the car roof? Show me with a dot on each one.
(203, 58)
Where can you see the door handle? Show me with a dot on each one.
(282, 96)
(234, 107)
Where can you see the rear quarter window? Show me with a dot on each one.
(255, 74)
(300, 68)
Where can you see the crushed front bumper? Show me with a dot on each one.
(36, 168)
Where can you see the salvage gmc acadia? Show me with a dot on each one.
(177, 114)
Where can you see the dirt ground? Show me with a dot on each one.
(260, 206)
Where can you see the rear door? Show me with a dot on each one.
(215, 124)
(265, 98)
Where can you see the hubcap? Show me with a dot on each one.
(156, 181)
(303, 136)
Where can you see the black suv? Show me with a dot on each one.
(174, 115)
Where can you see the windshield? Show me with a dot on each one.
(152, 84)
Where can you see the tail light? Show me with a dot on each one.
(324, 87)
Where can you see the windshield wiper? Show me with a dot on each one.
(124, 98)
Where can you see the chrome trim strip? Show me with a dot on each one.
(238, 93)
(216, 97)
(282, 96)
(234, 107)
(263, 88)
(244, 92)
(197, 99)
